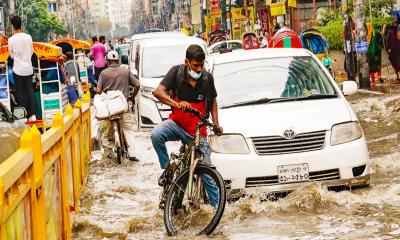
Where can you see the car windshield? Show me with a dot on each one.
(274, 79)
(158, 60)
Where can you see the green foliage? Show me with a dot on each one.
(331, 22)
(38, 21)
(378, 22)
(379, 8)
(333, 33)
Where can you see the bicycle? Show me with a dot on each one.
(120, 146)
(185, 199)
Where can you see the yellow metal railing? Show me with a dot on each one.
(40, 184)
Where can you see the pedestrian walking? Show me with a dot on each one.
(375, 45)
(98, 54)
(21, 51)
(393, 47)
(109, 46)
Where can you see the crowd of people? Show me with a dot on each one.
(25, 88)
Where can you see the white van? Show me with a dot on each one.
(286, 122)
(154, 59)
(135, 40)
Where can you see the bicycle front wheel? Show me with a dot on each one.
(199, 212)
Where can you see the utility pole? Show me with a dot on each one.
(348, 42)
(361, 45)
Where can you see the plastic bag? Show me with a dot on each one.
(100, 105)
(117, 102)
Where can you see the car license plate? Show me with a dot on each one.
(293, 173)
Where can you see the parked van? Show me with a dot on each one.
(154, 58)
(135, 39)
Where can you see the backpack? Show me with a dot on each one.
(204, 77)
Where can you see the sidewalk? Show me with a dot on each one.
(388, 75)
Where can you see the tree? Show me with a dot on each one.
(380, 8)
(38, 21)
(120, 31)
(104, 26)
(139, 20)
(361, 37)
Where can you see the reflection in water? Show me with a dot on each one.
(121, 202)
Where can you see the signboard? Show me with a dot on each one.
(292, 3)
(242, 21)
(46, 50)
(2, 26)
(361, 46)
(196, 13)
(214, 5)
(278, 8)
(207, 20)
(50, 104)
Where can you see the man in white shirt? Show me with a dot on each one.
(21, 50)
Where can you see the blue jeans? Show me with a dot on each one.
(168, 130)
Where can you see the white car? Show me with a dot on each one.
(137, 38)
(231, 44)
(285, 122)
(156, 57)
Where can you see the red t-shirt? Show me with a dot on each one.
(197, 97)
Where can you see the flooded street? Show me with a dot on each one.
(121, 201)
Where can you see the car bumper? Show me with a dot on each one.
(332, 165)
(283, 188)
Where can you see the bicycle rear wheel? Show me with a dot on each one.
(117, 142)
(201, 212)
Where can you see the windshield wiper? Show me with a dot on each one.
(274, 100)
(245, 103)
(318, 96)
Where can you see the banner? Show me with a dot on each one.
(196, 13)
(2, 26)
(207, 20)
(292, 3)
(278, 8)
(242, 21)
(214, 5)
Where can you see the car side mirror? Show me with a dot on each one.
(19, 112)
(125, 59)
(349, 87)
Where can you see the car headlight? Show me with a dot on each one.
(345, 132)
(147, 92)
(229, 143)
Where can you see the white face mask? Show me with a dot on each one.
(194, 74)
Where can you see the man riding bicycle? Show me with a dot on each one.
(189, 86)
(118, 78)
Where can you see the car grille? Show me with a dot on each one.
(278, 145)
(273, 180)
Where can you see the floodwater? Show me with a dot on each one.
(121, 201)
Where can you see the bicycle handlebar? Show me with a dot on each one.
(202, 118)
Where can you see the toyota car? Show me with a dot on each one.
(286, 122)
